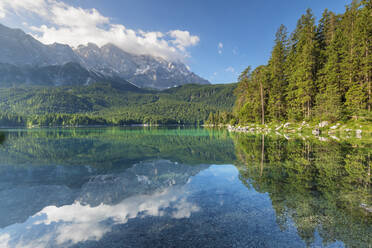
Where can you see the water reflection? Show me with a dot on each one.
(324, 188)
(160, 188)
(110, 148)
(2, 138)
(153, 188)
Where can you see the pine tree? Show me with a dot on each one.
(276, 69)
(260, 80)
(302, 69)
(355, 95)
(252, 95)
(364, 49)
(329, 99)
(325, 34)
(241, 92)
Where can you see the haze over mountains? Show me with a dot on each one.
(26, 61)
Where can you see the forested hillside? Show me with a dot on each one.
(110, 104)
(321, 71)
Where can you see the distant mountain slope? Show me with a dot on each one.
(188, 104)
(25, 56)
(19, 48)
(69, 74)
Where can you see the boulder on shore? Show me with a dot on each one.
(279, 127)
(323, 124)
(316, 131)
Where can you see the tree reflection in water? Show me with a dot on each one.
(2, 138)
(323, 187)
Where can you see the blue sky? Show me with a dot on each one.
(221, 38)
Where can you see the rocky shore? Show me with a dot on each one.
(323, 128)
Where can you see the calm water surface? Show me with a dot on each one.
(113, 187)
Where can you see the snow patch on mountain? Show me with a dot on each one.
(22, 50)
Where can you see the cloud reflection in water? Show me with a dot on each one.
(160, 195)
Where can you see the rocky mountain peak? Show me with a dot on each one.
(20, 49)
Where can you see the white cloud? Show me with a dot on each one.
(220, 47)
(74, 26)
(4, 240)
(34, 6)
(230, 69)
(183, 39)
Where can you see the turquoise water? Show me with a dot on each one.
(181, 187)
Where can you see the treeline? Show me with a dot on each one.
(52, 120)
(15, 120)
(320, 72)
(219, 118)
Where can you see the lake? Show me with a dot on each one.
(182, 187)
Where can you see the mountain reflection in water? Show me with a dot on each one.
(181, 188)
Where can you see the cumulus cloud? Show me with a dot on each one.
(183, 39)
(220, 47)
(4, 240)
(72, 25)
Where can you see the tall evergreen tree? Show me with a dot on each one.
(302, 69)
(326, 30)
(329, 99)
(260, 78)
(355, 95)
(364, 49)
(276, 69)
(244, 97)
(252, 95)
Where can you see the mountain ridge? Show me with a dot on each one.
(145, 71)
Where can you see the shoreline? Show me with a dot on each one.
(321, 130)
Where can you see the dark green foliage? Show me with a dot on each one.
(108, 104)
(329, 99)
(302, 68)
(252, 95)
(323, 72)
(277, 76)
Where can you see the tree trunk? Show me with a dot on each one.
(369, 95)
(368, 82)
(351, 54)
(262, 104)
(369, 170)
(308, 109)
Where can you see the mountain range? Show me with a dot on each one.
(26, 61)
